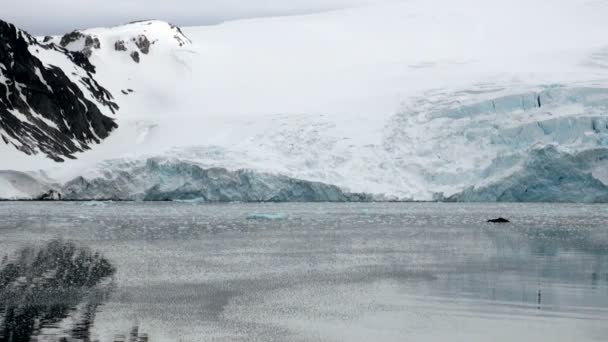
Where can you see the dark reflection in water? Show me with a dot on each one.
(41, 287)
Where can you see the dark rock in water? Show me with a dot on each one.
(120, 45)
(51, 195)
(135, 56)
(41, 108)
(499, 220)
(142, 43)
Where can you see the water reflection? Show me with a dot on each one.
(364, 272)
(53, 290)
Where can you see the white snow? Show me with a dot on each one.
(8, 190)
(394, 97)
(19, 185)
(39, 75)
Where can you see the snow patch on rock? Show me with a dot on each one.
(134, 39)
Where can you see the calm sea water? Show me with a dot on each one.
(334, 272)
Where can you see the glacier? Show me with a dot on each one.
(417, 100)
(488, 141)
(173, 180)
(548, 175)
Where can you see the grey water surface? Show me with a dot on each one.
(331, 272)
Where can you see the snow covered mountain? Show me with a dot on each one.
(471, 100)
(49, 100)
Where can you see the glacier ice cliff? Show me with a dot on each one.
(548, 175)
(451, 147)
(157, 179)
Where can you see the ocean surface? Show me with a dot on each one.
(314, 272)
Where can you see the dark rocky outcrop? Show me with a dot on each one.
(41, 108)
(70, 38)
(119, 45)
(51, 195)
(499, 220)
(143, 44)
(179, 36)
(90, 42)
(135, 56)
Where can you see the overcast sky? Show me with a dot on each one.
(59, 16)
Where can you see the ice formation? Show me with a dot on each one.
(415, 100)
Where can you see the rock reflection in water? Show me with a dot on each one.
(52, 291)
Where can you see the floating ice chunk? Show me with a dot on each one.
(267, 216)
(191, 201)
(95, 204)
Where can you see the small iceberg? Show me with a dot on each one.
(196, 200)
(267, 216)
(94, 204)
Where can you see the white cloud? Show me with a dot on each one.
(57, 16)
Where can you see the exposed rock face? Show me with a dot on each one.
(51, 195)
(179, 36)
(135, 56)
(120, 45)
(90, 42)
(70, 38)
(159, 180)
(142, 43)
(41, 108)
(136, 41)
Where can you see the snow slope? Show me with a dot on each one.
(411, 99)
(15, 185)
